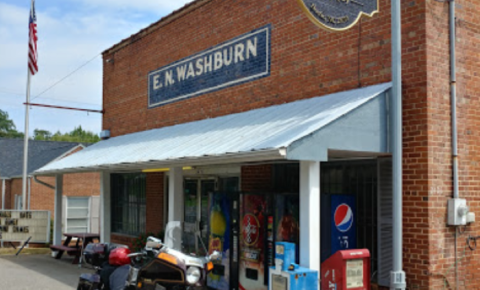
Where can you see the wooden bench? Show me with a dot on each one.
(71, 251)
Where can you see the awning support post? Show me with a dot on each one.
(57, 222)
(105, 206)
(175, 195)
(310, 214)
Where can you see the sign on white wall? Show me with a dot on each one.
(18, 226)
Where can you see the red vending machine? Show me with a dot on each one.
(252, 266)
(348, 269)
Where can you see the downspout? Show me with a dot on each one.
(397, 276)
(453, 105)
(43, 183)
(453, 97)
(29, 191)
(3, 194)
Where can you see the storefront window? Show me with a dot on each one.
(358, 179)
(128, 195)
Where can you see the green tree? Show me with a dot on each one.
(76, 135)
(7, 127)
(44, 135)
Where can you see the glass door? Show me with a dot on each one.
(196, 212)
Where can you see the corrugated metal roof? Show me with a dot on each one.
(266, 130)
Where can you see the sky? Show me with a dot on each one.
(72, 34)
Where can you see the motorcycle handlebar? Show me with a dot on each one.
(133, 255)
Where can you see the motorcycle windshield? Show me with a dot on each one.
(184, 237)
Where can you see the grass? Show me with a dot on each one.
(25, 251)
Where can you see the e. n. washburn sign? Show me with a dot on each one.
(242, 59)
(338, 15)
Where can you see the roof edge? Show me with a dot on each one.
(240, 157)
(176, 14)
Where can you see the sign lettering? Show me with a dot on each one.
(237, 61)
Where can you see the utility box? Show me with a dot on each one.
(286, 275)
(457, 212)
(347, 269)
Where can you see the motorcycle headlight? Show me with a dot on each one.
(193, 275)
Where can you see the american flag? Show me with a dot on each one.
(32, 43)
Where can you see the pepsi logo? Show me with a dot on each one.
(343, 217)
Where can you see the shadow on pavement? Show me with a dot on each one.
(39, 272)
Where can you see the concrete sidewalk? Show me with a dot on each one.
(38, 272)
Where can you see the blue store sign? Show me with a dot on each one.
(338, 14)
(237, 61)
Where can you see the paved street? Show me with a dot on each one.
(38, 272)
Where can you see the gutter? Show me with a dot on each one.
(43, 183)
(227, 158)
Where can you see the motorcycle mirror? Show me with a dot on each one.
(153, 245)
(153, 239)
(216, 255)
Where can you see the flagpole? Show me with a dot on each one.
(25, 147)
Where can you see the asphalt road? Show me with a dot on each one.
(38, 272)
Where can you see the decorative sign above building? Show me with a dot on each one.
(237, 61)
(338, 15)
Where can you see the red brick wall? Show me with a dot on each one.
(15, 189)
(121, 239)
(74, 184)
(307, 61)
(256, 178)
(81, 184)
(42, 197)
(155, 193)
(439, 187)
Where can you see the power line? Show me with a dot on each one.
(52, 99)
(65, 77)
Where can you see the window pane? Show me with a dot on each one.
(128, 203)
(77, 229)
(77, 212)
(77, 202)
(77, 223)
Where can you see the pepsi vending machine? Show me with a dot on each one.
(338, 231)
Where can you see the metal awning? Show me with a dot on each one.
(353, 120)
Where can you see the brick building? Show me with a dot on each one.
(228, 91)
(81, 190)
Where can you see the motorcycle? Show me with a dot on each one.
(159, 266)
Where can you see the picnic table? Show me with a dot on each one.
(85, 238)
